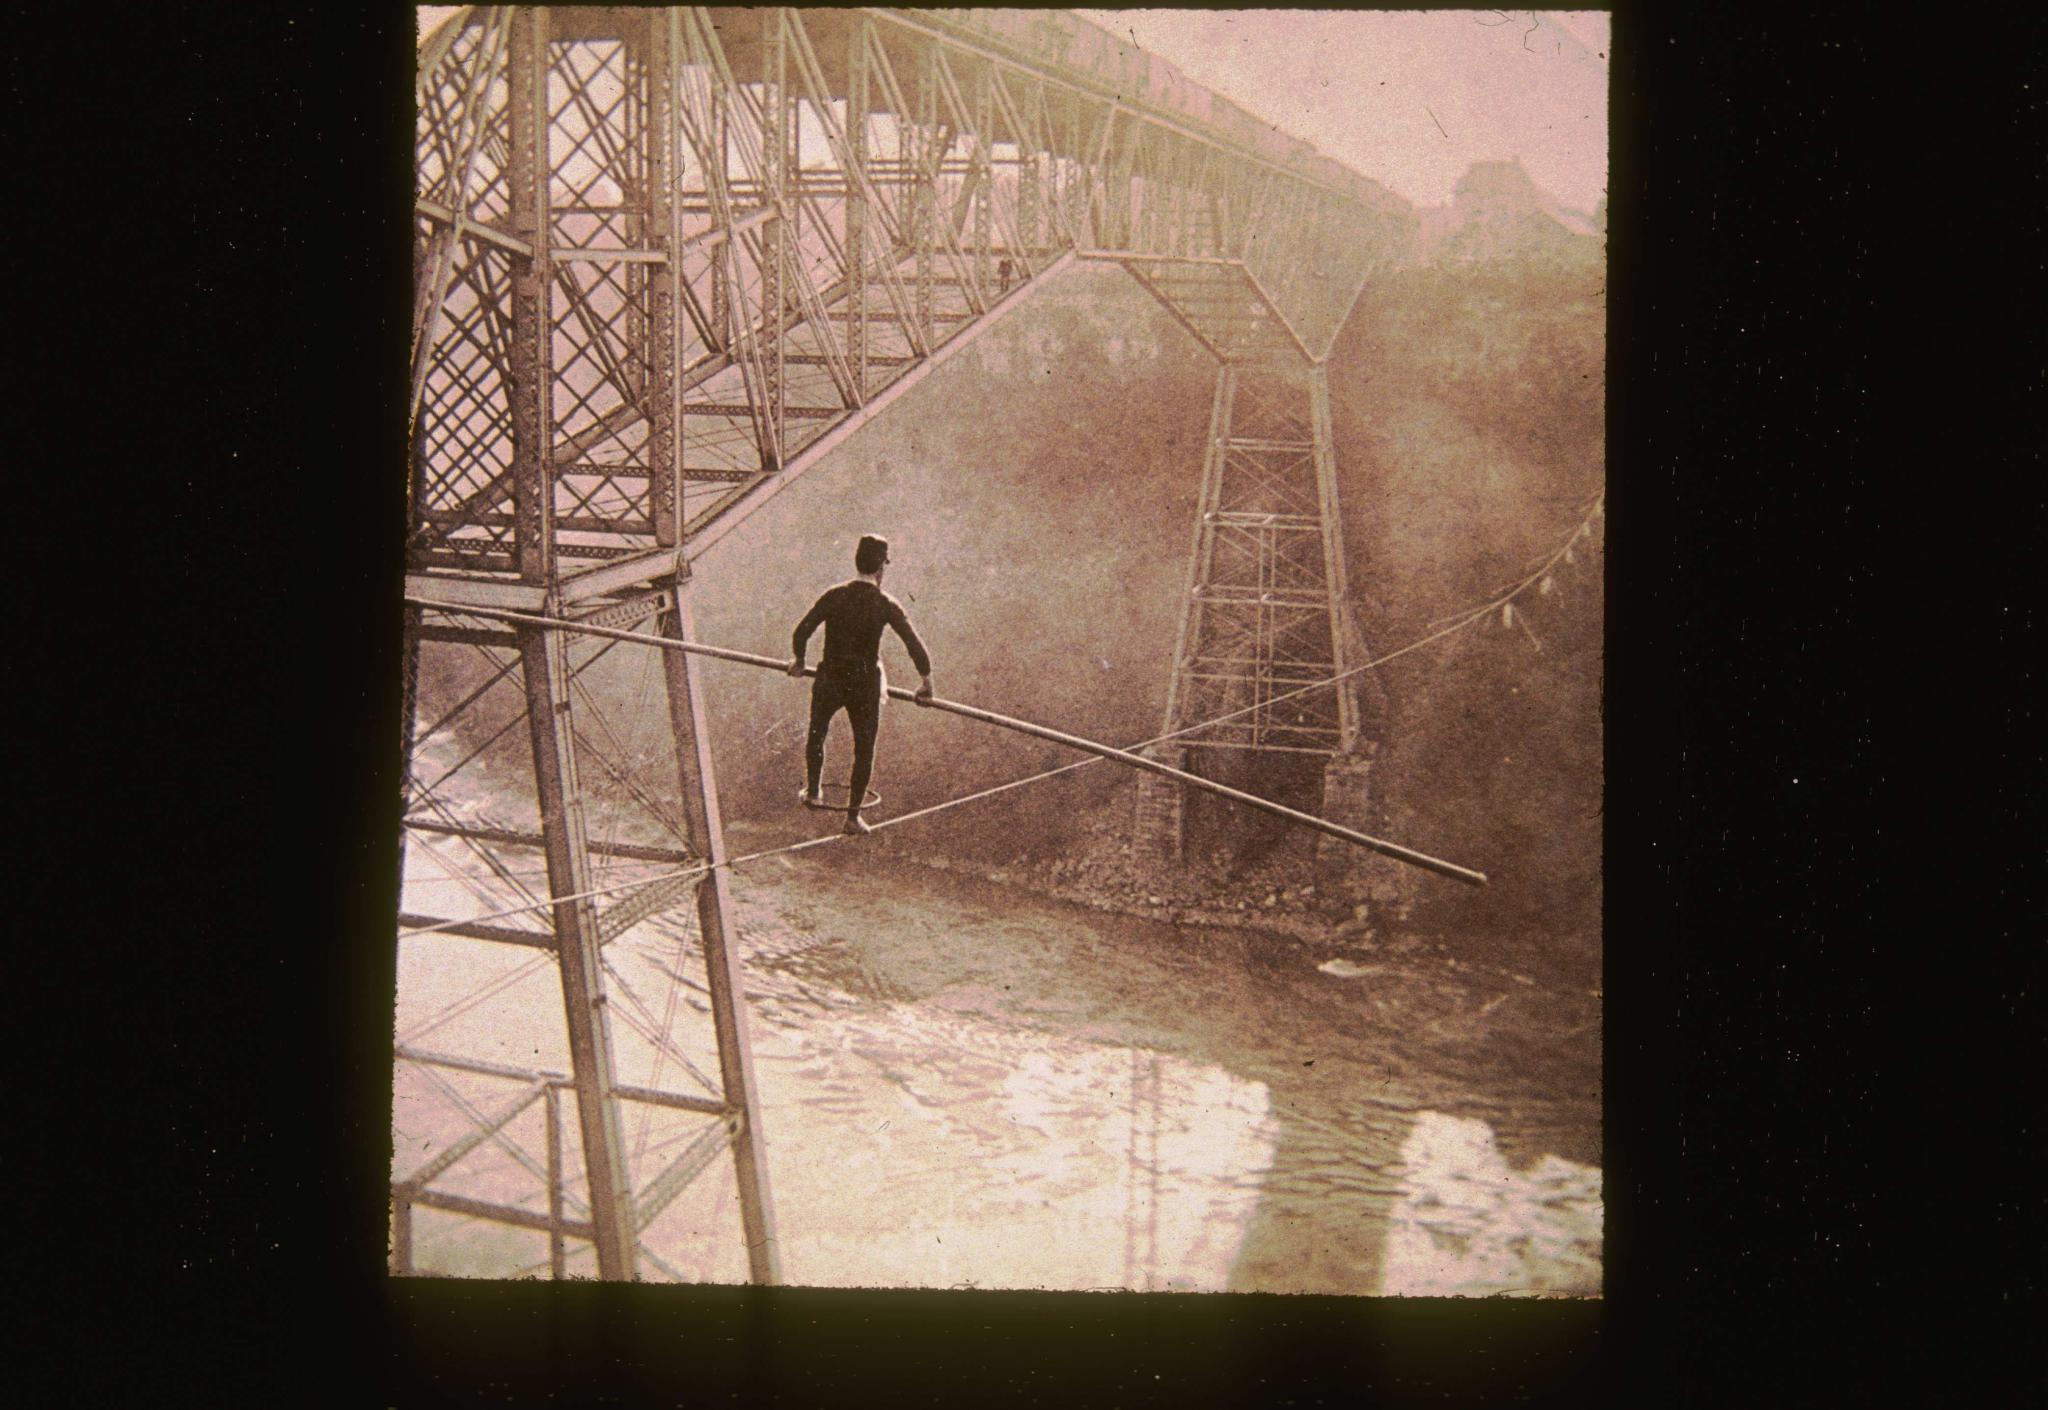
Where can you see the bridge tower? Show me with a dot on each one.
(547, 479)
(1266, 611)
(666, 260)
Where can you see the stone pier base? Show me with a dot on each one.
(1345, 872)
(1160, 833)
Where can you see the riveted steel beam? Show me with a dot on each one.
(698, 790)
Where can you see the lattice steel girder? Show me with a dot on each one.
(633, 223)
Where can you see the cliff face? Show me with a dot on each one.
(1038, 493)
(1470, 429)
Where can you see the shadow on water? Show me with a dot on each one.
(1273, 1128)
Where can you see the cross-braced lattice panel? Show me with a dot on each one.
(1261, 555)
(1265, 633)
(1264, 628)
(471, 771)
(459, 1137)
(599, 308)
(462, 131)
(462, 449)
(1254, 720)
(1242, 691)
(626, 753)
(596, 157)
(599, 348)
(1258, 479)
(1273, 409)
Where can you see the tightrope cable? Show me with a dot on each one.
(1457, 623)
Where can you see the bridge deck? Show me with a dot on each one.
(844, 197)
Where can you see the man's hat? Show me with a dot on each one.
(870, 545)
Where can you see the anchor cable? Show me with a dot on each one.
(1253, 800)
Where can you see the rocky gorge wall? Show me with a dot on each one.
(1469, 410)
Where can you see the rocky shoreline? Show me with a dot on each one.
(1120, 885)
(1278, 895)
(1099, 868)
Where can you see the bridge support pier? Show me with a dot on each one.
(584, 911)
(1266, 622)
(1160, 837)
(1342, 873)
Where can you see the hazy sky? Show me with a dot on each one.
(1409, 98)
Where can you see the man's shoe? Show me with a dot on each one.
(811, 800)
(855, 827)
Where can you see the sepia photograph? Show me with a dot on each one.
(851, 705)
(1003, 651)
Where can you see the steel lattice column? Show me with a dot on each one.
(544, 656)
(982, 176)
(924, 195)
(857, 205)
(699, 796)
(775, 144)
(663, 397)
(531, 382)
(1265, 614)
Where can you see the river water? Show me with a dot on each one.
(965, 1084)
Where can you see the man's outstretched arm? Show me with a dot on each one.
(919, 657)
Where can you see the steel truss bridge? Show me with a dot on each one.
(666, 261)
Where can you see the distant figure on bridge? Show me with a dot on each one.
(850, 675)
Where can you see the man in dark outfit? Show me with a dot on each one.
(850, 673)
